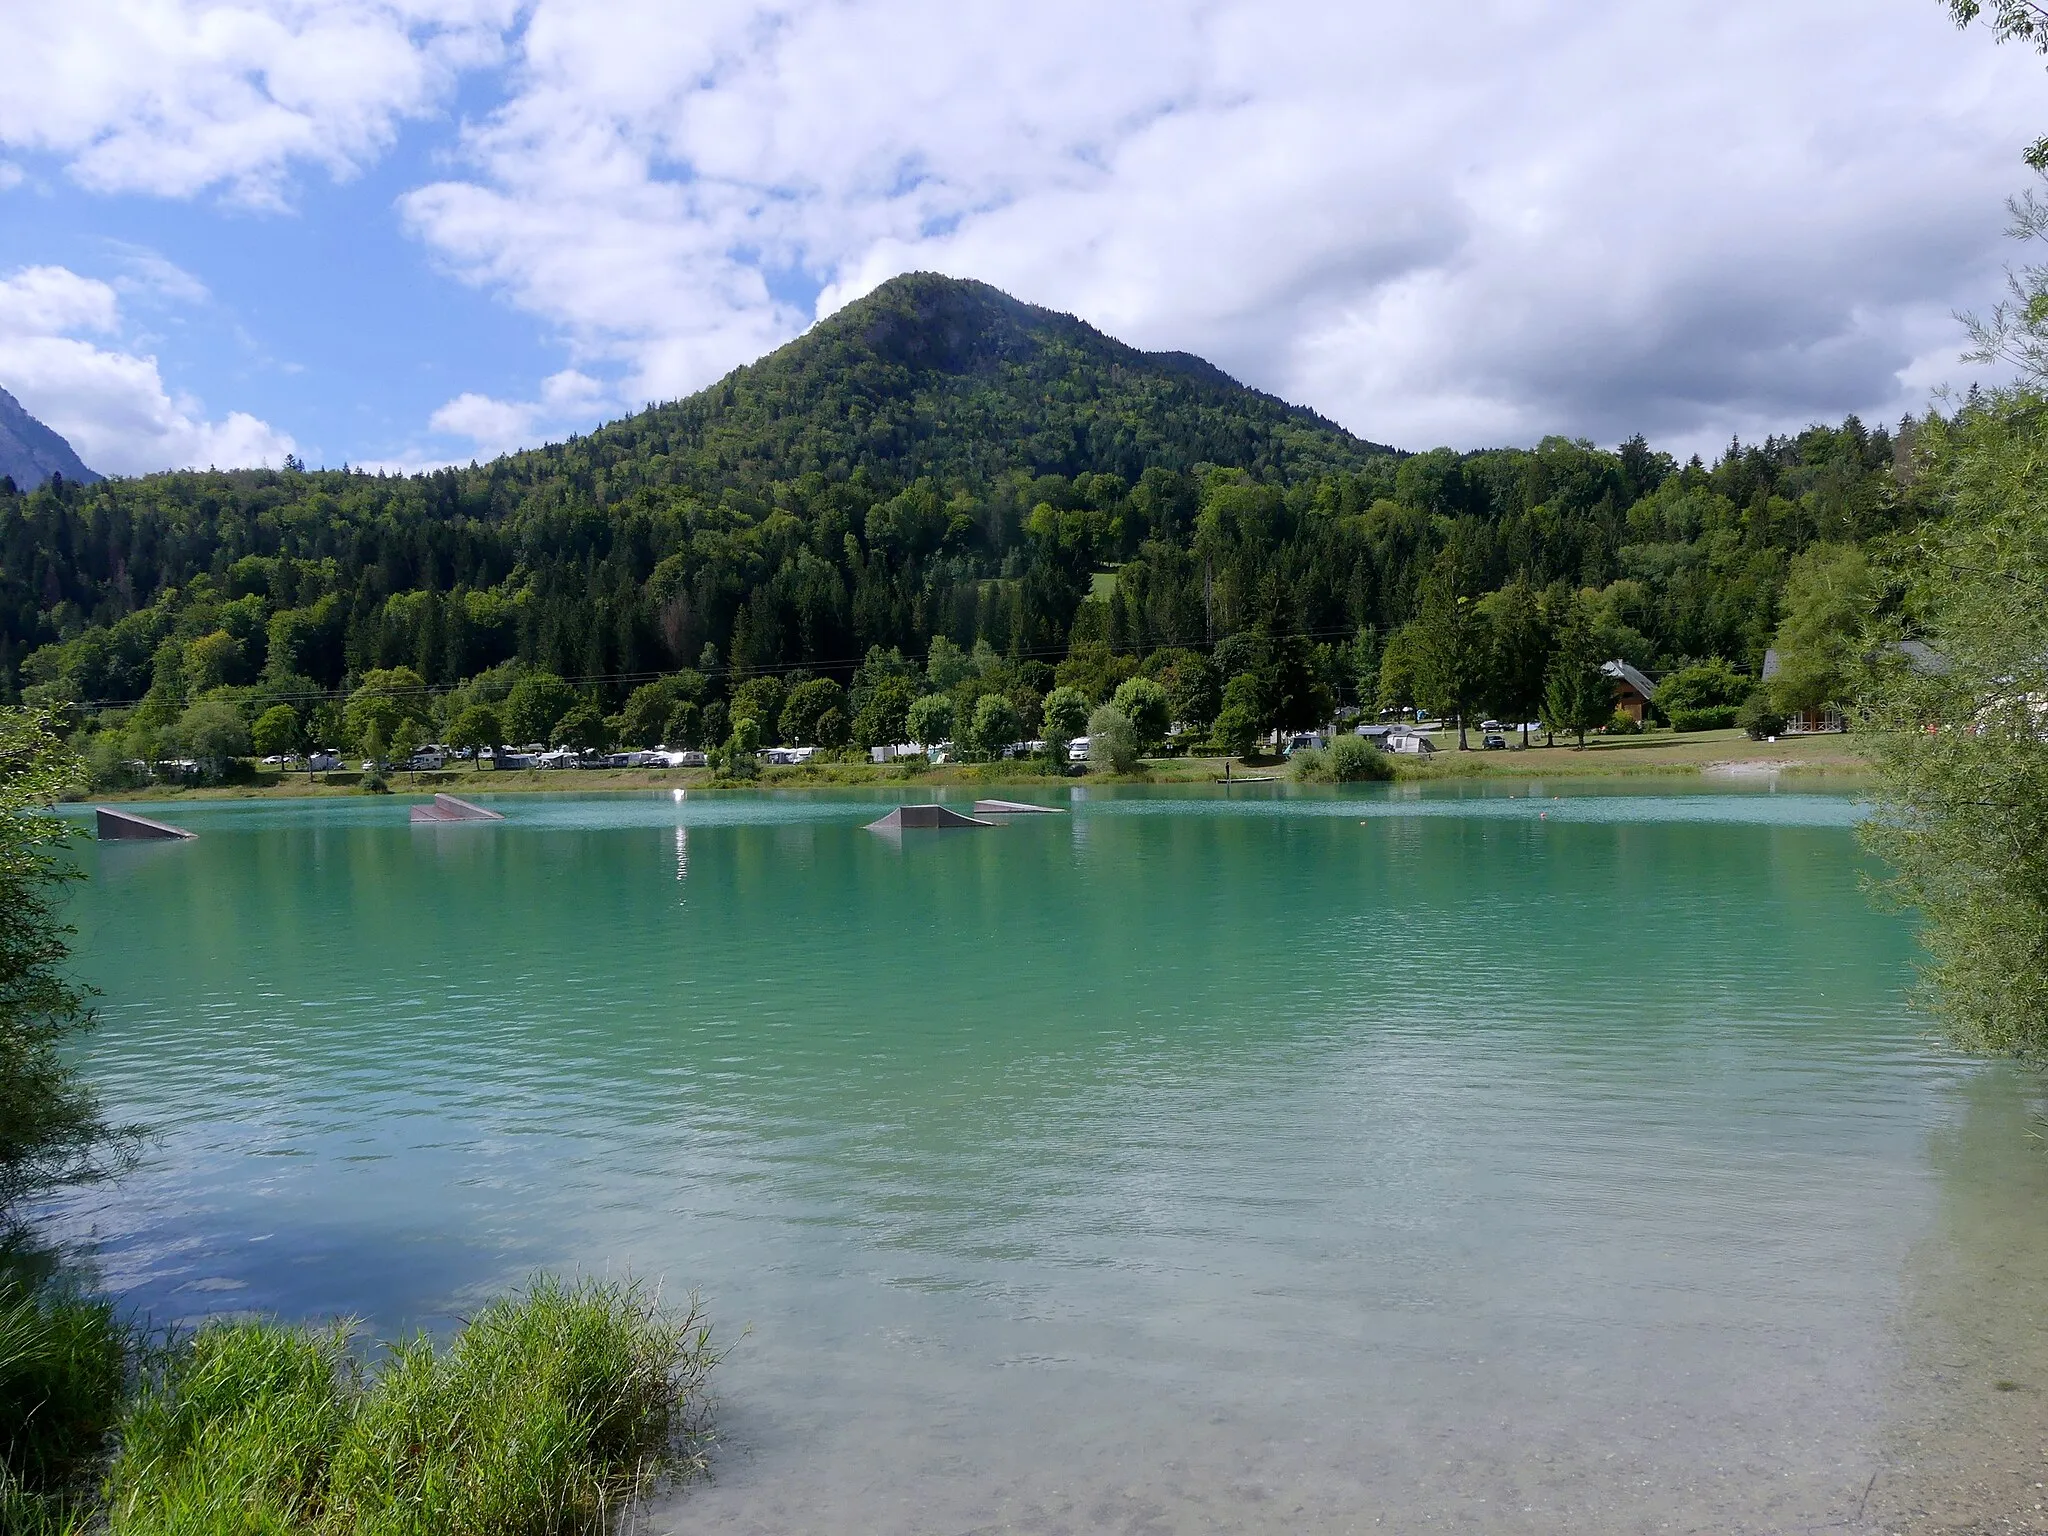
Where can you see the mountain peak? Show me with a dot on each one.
(929, 375)
(31, 453)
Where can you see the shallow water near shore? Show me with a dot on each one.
(1536, 1157)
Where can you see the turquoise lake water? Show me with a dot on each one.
(1555, 1158)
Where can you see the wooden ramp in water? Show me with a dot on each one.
(125, 825)
(913, 817)
(448, 808)
(1016, 808)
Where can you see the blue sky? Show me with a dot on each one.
(407, 232)
(325, 319)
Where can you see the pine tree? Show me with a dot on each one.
(1577, 695)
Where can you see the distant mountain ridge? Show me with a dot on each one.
(30, 452)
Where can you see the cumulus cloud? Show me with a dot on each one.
(496, 426)
(112, 405)
(176, 97)
(1466, 226)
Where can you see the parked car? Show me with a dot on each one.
(1077, 750)
(1493, 741)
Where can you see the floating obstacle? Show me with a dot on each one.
(448, 808)
(1015, 808)
(908, 817)
(121, 825)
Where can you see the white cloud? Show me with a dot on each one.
(1467, 224)
(1471, 226)
(493, 426)
(176, 97)
(111, 405)
(153, 275)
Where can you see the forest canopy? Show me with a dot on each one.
(937, 464)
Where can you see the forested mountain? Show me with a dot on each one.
(30, 452)
(936, 461)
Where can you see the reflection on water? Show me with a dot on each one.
(1267, 1161)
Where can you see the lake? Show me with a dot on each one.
(1538, 1158)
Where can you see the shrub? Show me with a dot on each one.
(1702, 689)
(549, 1414)
(1759, 717)
(1624, 724)
(1353, 760)
(1348, 760)
(1112, 743)
(1717, 717)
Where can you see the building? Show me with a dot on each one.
(1920, 656)
(1805, 722)
(1633, 692)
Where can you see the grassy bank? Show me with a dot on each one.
(1666, 753)
(550, 1414)
(1662, 753)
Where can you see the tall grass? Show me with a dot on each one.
(63, 1369)
(234, 1431)
(548, 1415)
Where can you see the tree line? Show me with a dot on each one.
(1442, 581)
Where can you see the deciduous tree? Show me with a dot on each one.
(51, 1129)
(276, 732)
(1112, 743)
(929, 720)
(1145, 704)
(478, 729)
